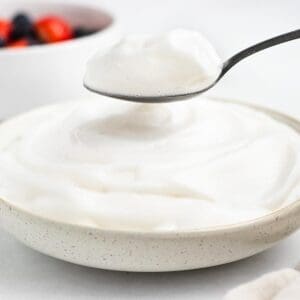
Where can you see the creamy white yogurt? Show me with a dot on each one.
(120, 165)
(177, 62)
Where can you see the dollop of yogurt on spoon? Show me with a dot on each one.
(174, 63)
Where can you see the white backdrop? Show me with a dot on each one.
(270, 78)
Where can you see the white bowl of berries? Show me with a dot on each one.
(43, 51)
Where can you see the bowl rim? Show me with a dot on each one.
(266, 219)
(63, 44)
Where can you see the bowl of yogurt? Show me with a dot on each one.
(150, 187)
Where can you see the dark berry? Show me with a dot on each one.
(81, 31)
(22, 26)
(2, 43)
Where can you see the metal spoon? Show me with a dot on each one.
(227, 65)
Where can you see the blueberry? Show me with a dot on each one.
(81, 31)
(22, 26)
(2, 43)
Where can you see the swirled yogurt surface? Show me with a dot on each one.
(127, 166)
(177, 62)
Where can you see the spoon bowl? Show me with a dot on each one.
(148, 99)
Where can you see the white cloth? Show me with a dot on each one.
(280, 285)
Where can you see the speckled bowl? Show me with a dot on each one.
(152, 251)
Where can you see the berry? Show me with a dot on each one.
(81, 32)
(22, 26)
(53, 29)
(21, 43)
(5, 29)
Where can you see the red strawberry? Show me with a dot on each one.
(21, 43)
(53, 29)
(5, 29)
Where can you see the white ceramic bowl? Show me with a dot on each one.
(42, 74)
(152, 251)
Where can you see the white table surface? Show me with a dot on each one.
(270, 78)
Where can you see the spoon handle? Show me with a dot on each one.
(258, 47)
